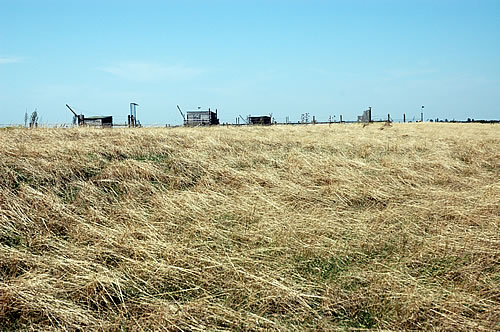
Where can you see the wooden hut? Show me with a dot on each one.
(264, 120)
(98, 121)
(201, 118)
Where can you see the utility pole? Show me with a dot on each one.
(132, 118)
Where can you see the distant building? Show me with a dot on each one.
(94, 121)
(97, 121)
(260, 120)
(201, 118)
(366, 117)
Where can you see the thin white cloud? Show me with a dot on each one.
(144, 71)
(6, 60)
(410, 72)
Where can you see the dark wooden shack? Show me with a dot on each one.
(98, 121)
(94, 121)
(201, 118)
(264, 120)
(366, 117)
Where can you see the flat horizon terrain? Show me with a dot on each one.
(249, 228)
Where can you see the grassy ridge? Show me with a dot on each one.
(251, 228)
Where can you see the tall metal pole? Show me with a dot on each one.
(133, 114)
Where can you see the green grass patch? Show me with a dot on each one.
(155, 158)
(324, 268)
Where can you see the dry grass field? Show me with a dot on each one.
(251, 228)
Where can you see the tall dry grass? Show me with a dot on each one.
(279, 228)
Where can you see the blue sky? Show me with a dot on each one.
(249, 57)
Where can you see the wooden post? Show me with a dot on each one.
(404, 117)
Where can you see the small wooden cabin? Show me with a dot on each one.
(264, 120)
(98, 121)
(366, 117)
(201, 118)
